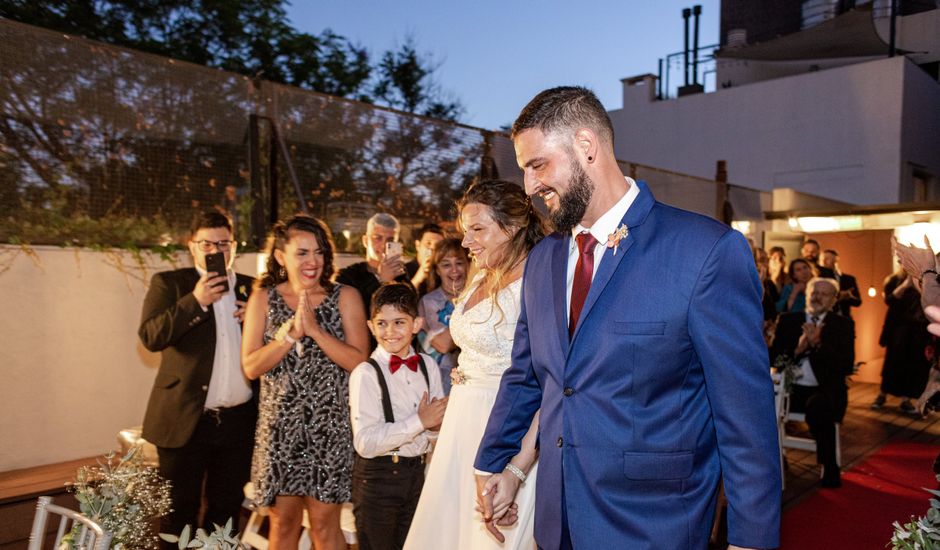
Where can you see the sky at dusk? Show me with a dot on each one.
(495, 55)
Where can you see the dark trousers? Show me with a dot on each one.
(219, 454)
(821, 419)
(384, 497)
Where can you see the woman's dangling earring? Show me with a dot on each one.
(282, 273)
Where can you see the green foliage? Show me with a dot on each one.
(405, 82)
(54, 226)
(920, 533)
(123, 497)
(107, 148)
(790, 370)
(250, 37)
(221, 538)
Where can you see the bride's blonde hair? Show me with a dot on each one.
(512, 211)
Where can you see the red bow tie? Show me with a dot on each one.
(397, 362)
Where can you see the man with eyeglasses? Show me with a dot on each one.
(202, 410)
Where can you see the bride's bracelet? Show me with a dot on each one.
(516, 472)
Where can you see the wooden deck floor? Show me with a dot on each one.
(863, 431)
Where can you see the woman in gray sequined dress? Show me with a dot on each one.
(302, 336)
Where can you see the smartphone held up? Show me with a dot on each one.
(215, 265)
(392, 249)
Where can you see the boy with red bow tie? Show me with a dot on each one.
(397, 405)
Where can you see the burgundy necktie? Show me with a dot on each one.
(397, 362)
(583, 271)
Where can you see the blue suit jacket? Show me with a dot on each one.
(663, 390)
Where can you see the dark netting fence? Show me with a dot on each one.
(104, 145)
(101, 145)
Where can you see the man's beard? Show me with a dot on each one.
(573, 204)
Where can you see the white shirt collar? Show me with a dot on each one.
(819, 316)
(610, 220)
(383, 357)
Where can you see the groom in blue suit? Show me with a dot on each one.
(640, 341)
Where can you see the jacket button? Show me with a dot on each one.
(560, 442)
(205, 388)
(568, 392)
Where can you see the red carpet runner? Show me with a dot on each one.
(885, 488)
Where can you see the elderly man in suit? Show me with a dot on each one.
(640, 342)
(822, 342)
(202, 410)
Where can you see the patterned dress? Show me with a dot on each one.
(303, 442)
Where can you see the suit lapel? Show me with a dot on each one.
(633, 219)
(560, 290)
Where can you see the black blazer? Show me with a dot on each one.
(172, 322)
(845, 305)
(831, 362)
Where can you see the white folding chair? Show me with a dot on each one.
(806, 443)
(780, 406)
(90, 535)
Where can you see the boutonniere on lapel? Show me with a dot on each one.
(242, 291)
(613, 240)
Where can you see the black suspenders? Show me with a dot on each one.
(386, 398)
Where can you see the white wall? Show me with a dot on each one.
(834, 133)
(74, 371)
(920, 141)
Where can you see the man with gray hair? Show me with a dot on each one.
(379, 266)
(822, 342)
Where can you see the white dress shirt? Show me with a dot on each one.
(372, 435)
(603, 227)
(228, 386)
(809, 378)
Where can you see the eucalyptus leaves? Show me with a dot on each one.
(221, 538)
(123, 495)
(922, 533)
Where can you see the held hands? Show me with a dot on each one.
(431, 412)
(495, 501)
(209, 289)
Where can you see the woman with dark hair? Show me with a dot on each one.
(303, 335)
(447, 277)
(793, 295)
(500, 228)
(777, 267)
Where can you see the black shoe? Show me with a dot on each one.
(907, 407)
(832, 478)
(879, 402)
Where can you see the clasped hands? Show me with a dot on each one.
(305, 322)
(811, 338)
(496, 496)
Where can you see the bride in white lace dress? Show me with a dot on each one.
(500, 227)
